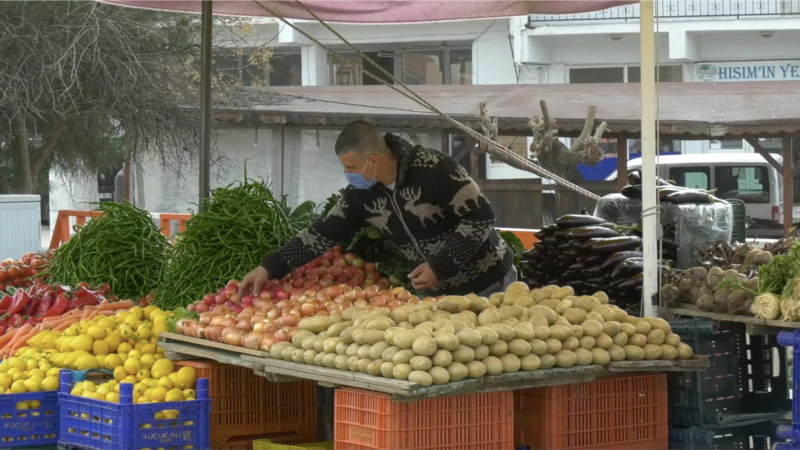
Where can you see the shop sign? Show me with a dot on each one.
(748, 71)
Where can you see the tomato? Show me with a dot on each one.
(26, 261)
(18, 282)
(3, 275)
(28, 272)
(14, 272)
(2, 287)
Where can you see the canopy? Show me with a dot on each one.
(377, 11)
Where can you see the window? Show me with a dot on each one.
(747, 183)
(285, 69)
(666, 74)
(460, 67)
(437, 66)
(725, 144)
(691, 177)
(423, 67)
(622, 74)
(351, 73)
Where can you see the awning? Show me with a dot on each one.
(382, 11)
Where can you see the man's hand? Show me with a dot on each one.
(253, 282)
(423, 278)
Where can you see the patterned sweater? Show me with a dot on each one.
(435, 213)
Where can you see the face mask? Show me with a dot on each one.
(358, 181)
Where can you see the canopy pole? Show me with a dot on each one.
(649, 205)
(205, 101)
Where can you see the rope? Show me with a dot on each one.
(413, 96)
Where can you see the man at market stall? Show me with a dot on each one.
(421, 200)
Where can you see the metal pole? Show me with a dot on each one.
(205, 101)
(649, 205)
(788, 184)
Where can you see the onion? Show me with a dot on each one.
(214, 333)
(259, 326)
(252, 340)
(361, 303)
(292, 332)
(180, 326)
(290, 320)
(274, 313)
(234, 337)
(230, 322)
(222, 309)
(282, 335)
(206, 317)
(379, 300)
(263, 304)
(267, 342)
(201, 307)
(244, 325)
(271, 327)
(309, 309)
(403, 295)
(370, 292)
(358, 294)
(283, 304)
(334, 291)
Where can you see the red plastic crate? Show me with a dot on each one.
(244, 405)
(368, 420)
(620, 413)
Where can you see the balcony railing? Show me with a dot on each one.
(683, 9)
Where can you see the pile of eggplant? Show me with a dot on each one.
(667, 192)
(590, 255)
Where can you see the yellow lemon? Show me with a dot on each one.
(142, 374)
(189, 394)
(2, 390)
(147, 360)
(162, 368)
(86, 362)
(129, 379)
(166, 382)
(132, 365)
(107, 323)
(101, 361)
(89, 386)
(5, 380)
(160, 415)
(140, 388)
(187, 376)
(122, 316)
(119, 373)
(96, 332)
(53, 372)
(135, 354)
(87, 394)
(153, 383)
(144, 333)
(158, 394)
(100, 348)
(98, 396)
(32, 385)
(124, 348)
(159, 319)
(22, 405)
(112, 397)
(31, 364)
(82, 342)
(36, 373)
(174, 378)
(103, 390)
(77, 390)
(34, 403)
(148, 391)
(137, 311)
(113, 340)
(112, 361)
(116, 388)
(174, 395)
(142, 400)
(159, 328)
(71, 331)
(133, 322)
(16, 363)
(171, 414)
(50, 384)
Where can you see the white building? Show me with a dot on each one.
(698, 40)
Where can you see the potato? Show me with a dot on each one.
(576, 331)
(315, 324)
(511, 363)
(352, 349)
(404, 339)
(447, 329)
(600, 356)
(634, 353)
(401, 313)
(592, 328)
(475, 369)
(310, 342)
(457, 371)
(658, 323)
(583, 357)
(453, 303)
(309, 356)
(563, 322)
(606, 311)
(329, 360)
(563, 306)
(387, 369)
(595, 316)
(559, 332)
(442, 358)
(421, 363)
(504, 332)
(419, 317)
(488, 316)
(389, 353)
(402, 371)
(403, 357)
(424, 346)
(318, 360)
(570, 343)
(575, 315)
(524, 301)
(488, 335)
(566, 358)
(498, 348)
(447, 341)
(511, 312)
(548, 314)
(616, 353)
(381, 324)
(352, 313)
(553, 346)
(538, 321)
(336, 329)
(611, 328)
(363, 364)
(684, 351)
(426, 328)
(519, 347)
(539, 347)
(463, 354)
(638, 340)
(586, 342)
(510, 322)
(668, 352)
(619, 314)
(481, 351)
(374, 367)
(469, 337)
(604, 341)
(341, 362)
(524, 331)
(672, 339)
(643, 327)
(652, 352)
(517, 287)
(627, 328)
(586, 303)
(319, 345)
(549, 304)
(602, 297)
(655, 336)
(363, 351)
(376, 350)
(562, 292)
(541, 332)
(373, 337)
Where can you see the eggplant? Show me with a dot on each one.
(583, 233)
(632, 282)
(628, 267)
(631, 191)
(687, 196)
(635, 177)
(541, 234)
(577, 220)
(594, 271)
(611, 245)
(576, 267)
(618, 257)
(594, 260)
(664, 191)
(579, 286)
(570, 275)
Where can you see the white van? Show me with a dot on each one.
(744, 176)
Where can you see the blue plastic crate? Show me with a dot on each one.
(792, 339)
(36, 427)
(96, 424)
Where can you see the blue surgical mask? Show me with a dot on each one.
(358, 181)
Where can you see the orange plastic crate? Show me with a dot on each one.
(245, 405)
(620, 413)
(368, 420)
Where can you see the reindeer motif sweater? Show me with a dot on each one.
(435, 213)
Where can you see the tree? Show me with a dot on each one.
(84, 85)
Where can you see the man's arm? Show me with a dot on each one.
(338, 226)
(460, 195)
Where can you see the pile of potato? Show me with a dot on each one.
(458, 337)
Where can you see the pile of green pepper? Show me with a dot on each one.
(122, 247)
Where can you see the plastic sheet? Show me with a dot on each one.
(697, 226)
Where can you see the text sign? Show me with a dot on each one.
(748, 71)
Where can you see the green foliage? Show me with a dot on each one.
(776, 276)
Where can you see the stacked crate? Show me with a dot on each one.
(735, 403)
(792, 432)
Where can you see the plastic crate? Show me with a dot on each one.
(368, 420)
(288, 440)
(758, 436)
(266, 444)
(246, 405)
(35, 427)
(792, 339)
(739, 220)
(96, 424)
(740, 386)
(626, 413)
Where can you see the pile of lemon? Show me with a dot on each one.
(125, 343)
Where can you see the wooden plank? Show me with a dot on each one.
(196, 352)
(687, 309)
(166, 337)
(753, 141)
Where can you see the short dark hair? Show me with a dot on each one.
(359, 136)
